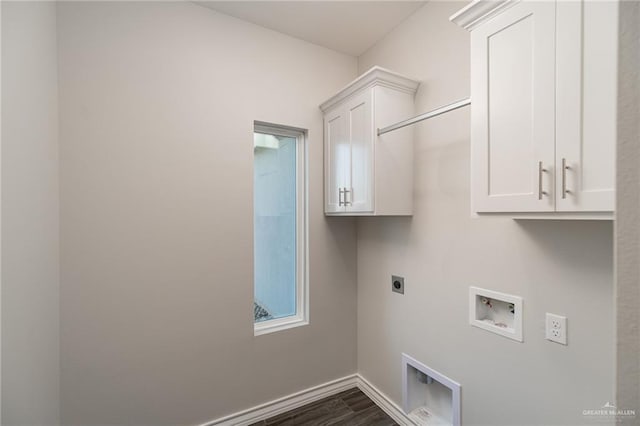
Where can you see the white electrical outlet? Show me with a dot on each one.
(556, 328)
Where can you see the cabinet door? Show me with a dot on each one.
(512, 118)
(587, 60)
(337, 159)
(359, 113)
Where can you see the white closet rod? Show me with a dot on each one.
(430, 114)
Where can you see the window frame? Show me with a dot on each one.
(301, 316)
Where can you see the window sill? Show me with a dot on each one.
(279, 324)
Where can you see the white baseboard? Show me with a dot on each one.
(384, 402)
(307, 396)
(287, 403)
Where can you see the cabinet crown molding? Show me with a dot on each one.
(376, 76)
(479, 11)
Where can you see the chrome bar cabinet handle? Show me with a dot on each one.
(540, 171)
(565, 191)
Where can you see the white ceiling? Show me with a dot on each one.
(350, 27)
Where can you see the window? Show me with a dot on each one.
(279, 228)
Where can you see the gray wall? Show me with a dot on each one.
(559, 267)
(30, 243)
(157, 103)
(628, 214)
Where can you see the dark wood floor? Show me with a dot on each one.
(351, 407)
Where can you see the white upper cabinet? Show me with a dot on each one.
(586, 97)
(512, 101)
(543, 107)
(366, 174)
(337, 159)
